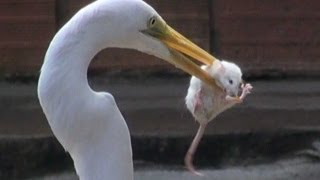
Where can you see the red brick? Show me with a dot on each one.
(38, 30)
(21, 60)
(22, 8)
(264, 35)
(26, 26)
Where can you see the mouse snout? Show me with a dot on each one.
(233, 92)
(238, 90)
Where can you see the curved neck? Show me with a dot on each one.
(73, 109)
(68, 58)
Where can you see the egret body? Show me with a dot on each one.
(89, 124)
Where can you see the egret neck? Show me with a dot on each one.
(98, 138)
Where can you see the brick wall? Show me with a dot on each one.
(26, 26)
(263, 36)
(267, 36)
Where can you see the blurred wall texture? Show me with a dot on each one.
(263, 36)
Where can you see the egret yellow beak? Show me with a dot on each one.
(176, 41)
(182, 50)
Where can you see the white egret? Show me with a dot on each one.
(89, 124)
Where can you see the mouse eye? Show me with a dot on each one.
(230, 81)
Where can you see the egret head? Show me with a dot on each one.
(135, 25)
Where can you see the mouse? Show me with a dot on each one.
(206, 102)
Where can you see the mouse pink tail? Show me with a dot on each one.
(188, 160)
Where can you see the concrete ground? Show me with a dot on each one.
(293, 169)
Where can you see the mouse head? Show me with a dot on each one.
(229, 76)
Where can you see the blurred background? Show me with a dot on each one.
(276, 43)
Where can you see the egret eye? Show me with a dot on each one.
(152, 22)
(230, 81)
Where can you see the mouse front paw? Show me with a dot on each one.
(246, 89)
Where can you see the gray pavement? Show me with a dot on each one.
(293, 169)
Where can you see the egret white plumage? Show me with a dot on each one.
(205, 102)
(89, 124)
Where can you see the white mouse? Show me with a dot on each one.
(206, 102)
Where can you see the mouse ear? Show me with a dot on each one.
(221, 69)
